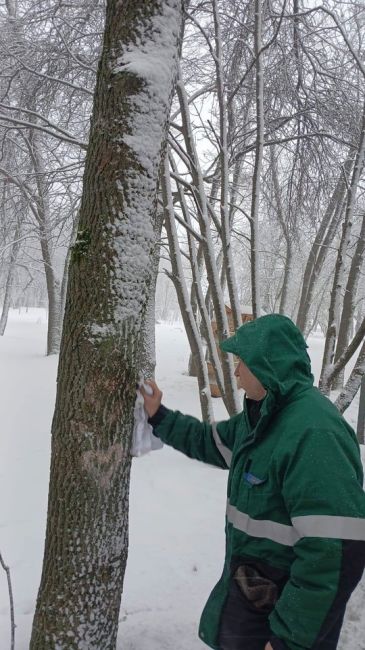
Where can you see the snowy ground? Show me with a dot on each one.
(177, 505)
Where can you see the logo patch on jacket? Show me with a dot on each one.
(253, 480)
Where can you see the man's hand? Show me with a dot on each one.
(152, 402)
(268, 646)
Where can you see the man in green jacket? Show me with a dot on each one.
(295, 520)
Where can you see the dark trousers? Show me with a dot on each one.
(245, 628)
(242, 627)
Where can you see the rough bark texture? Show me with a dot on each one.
(110, 275)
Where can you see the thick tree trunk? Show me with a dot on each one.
(110, 278)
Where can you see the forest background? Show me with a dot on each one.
(266, 159)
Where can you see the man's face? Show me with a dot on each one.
(250, 384)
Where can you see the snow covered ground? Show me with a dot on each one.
(176, 512)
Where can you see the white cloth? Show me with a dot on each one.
(143, 439)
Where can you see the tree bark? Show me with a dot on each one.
(10, 281)
(178, 278)
(320, 247)
(349, 305)
(334, 309)
(223, 158)
(353, 383)
(216, 295)
(259, 147)
(109, 282)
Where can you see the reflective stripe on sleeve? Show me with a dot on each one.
(223, 450)
(329, 526)
(265, 528)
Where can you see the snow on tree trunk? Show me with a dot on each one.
(109, 282)
(148, 344)
(256, 185)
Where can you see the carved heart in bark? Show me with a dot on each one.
(103, 464)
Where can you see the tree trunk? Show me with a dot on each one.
(216, 295)
(109, 282)
(256, 187)
(324, 237)
(353, 383)
(43, 216)
(197, 359)
(66, 267)
(334, 309)
(286, 234)
(10, 282)
(177, 277)
(283, 307)
(349, 305)
(224, 169)
(148, 347)
(53, 294)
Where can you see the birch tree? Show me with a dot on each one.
(109, 282)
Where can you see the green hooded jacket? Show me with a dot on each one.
(294, 498)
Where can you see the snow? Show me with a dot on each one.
(176, 512)
(151, 55)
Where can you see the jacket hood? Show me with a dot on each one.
(274, 349)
